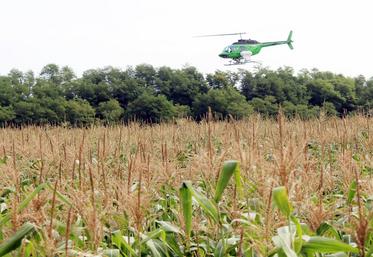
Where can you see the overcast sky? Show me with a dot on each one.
(335, 36)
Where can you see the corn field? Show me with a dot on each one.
(255, 187)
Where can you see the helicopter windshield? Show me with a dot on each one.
(228, 49)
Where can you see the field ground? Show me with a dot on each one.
(114, 191)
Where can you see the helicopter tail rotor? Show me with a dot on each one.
(289, 40)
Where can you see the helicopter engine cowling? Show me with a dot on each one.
(246, 55)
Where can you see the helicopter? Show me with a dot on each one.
(240, 52)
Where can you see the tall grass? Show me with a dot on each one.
(168, 189)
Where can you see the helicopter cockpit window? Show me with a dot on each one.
(228, 49)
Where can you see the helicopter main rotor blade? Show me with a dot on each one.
(222, 35)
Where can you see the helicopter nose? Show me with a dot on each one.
(223, 55)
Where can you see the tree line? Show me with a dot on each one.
(144, 93)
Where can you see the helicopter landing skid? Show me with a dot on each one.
(241, 63)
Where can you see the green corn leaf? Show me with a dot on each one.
(168, 227)
(220, 249)
(186, 206)
(276, 251)
(207, 206)
(370, 251)
(284, 240)
(283, 247)
(229, 168)
(341, 254)
(120, 242)
(225, 245)
(15, 241)
(24, 203)
(298, 241)
(173, 245)
(157, 247)
(60, 196)
(280, 198)
(111, 253)
(6, 191)
(325, 229)
(351, 192)
(30, 250)
(326, 245)
(237, 177)
(152, 235)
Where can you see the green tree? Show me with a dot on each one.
(79, 112)
(51, 72)
(29, 82)
(150, 108)
(40, 111)
(145, 73)
(360, 85)
(248, 84)
(182, 111)
(15, 76)
(7, 114)
(94, 76)
(329, 109)
(93, 93)
(58, 95)
(263, 84)
(346, 87)
(127, 91)
(300, 111)
(282, 84)
(43, 89)
(289, 109)
(221, 79)
(367, 95)
(110, 111)
(52, 110)
(66, 74)
(185, 85)
(323, 91)
(8, 95)
(163, 81)
(223, 102)
(306, 111)
(26, 112)
(266, 106)
(17, 82)
(293, 89)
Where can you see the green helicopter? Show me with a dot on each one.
(240, 52)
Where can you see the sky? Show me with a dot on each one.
(330, 35)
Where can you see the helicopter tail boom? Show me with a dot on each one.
(289, 42)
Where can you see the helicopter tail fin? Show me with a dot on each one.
(289, 40)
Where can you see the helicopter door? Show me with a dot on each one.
(246, 55)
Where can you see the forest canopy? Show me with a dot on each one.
(145, 93)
